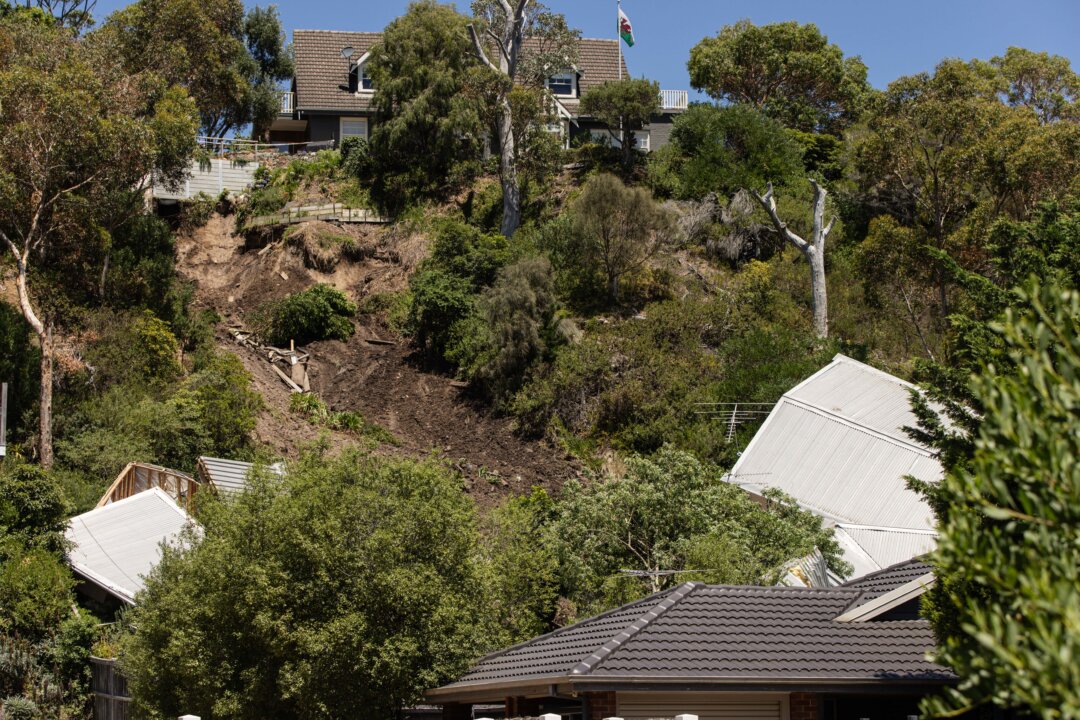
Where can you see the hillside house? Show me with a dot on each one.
(836, 443)
(331, 95)
(724, 653)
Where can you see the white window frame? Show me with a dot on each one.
(360, 66)
(568, 75)
(341, 126)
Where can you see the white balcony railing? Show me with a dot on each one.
(674, 99)
(287, 99)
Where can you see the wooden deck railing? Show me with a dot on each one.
(674, 99)
(137, 477)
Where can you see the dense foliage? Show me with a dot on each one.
(428, 137)
(625, 107)
(789, 71)
(346, 589)
(1008, 614)
(321, 312)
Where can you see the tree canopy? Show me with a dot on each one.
(428, 138)
(229, 61)
(625, 107)
(344, 590)
(789, 71)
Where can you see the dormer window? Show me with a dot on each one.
(563, 84)
(359, 79)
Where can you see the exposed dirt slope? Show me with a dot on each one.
(422, 409)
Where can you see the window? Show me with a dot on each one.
(563, 85)
(363, 82)
(353, 127)
(641, 140)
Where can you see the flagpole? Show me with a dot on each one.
(618, 33)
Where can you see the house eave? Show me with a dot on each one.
(496, 690)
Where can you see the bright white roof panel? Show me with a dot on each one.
(888, 546)
(836, 444)
(115, 546)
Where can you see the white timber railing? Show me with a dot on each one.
(674, 99)
(287, 103)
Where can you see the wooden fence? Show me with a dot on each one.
(111, 699)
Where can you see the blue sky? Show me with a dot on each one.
(893, 37)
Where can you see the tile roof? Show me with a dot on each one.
(322, 74)
(697, 633)
(116, 545)
(836, 444)
(878, 583)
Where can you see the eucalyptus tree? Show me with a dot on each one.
(79, 137)
(519, 42)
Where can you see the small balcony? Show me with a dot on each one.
(674, 100)
(288, 101)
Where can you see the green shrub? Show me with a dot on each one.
(319, 414)
(35, 590)
(227, 406)
(321, 312)
(439, 299)
(355, 157)
(21, 708)
(197, 211)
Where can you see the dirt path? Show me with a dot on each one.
(422, 409)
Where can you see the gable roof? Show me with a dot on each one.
(322, 74)
(697, 634)
(835, 443)
(115, 546)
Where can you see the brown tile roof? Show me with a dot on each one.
(322, 74)
(888, 579)
(717, 634)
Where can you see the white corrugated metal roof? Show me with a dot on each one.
(116, 545)
(887, 546)
(231, 476)
(836, 444)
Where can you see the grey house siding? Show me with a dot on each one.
(660, 130)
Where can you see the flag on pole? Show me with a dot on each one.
(626, 31)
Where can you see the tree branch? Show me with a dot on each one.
(768, 203)
(478, 48)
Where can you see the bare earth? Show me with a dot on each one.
(386, 383)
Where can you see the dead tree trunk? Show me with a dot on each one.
(813, 251)
(508, 43)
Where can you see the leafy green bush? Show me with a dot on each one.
(35, 590)
(387, 614)
(722, 150)
(321, 312)
(21, 708)
(355, 157)
(439, 299)
(682, 513)
(318, 413)
(197, 211)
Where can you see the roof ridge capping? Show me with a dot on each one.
(892, 599)
(588, 664)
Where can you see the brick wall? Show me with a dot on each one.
(600, 705)
(804, 706)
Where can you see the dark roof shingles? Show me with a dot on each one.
(728, 632)
(888, 579)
